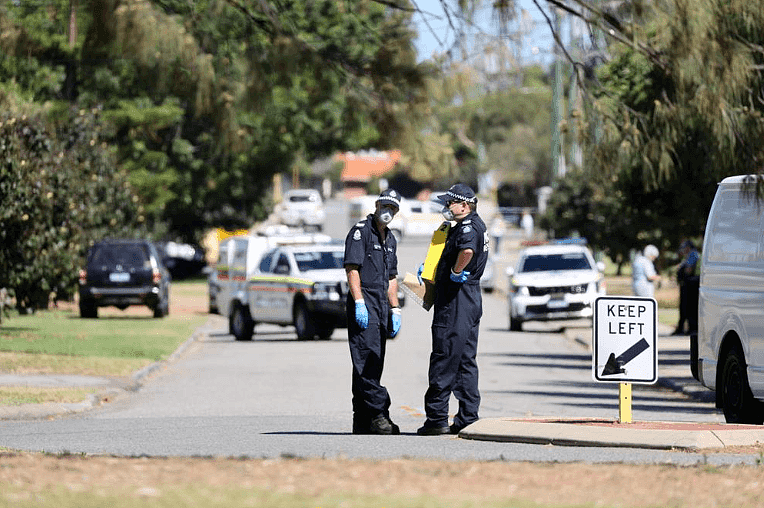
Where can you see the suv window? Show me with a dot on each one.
(553, 262)
(265, 264)
(319, 260)
(129, 256)
(282, 266)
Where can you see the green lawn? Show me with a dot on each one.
(116, 344)
(60, 332)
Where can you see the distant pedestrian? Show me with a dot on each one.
(689, 287)
(643, 274)
(526, 222)
(497, 232)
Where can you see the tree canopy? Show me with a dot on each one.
(197, 104)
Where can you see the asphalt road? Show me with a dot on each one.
(276, 396)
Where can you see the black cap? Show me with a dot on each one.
(390, 196)
(458, 192)
(687, 244)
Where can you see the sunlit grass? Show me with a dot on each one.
(16, 396)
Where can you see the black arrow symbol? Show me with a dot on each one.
(615, 365)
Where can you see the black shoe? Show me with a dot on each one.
(455, 429)
(677, 332)
(429, 429)
(361, 428)
(384, 426)
(361, 423)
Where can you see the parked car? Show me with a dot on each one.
(727, 354)
(238, 259)
(122, 273)
(303, 208)
(487, 281)
(181, 259)
(300, 285)
(555, 281)
(424, 217)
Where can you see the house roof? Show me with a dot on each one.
(364, 166)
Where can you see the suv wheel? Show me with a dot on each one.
(303, 322)
(515, 324)
(241, 324)
(88, 310)
(161, 309)
(325, 331)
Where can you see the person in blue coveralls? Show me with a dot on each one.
(373, 312)
(457, 311)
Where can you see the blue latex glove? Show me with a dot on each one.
(460, 277)
(419, 273)
(396, 319)
(361, 315)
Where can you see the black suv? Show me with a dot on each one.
(123, 273)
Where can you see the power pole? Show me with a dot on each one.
(558, 160)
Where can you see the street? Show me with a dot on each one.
(276, 396)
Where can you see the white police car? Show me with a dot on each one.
(559, 280)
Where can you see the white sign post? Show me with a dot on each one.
(625, 345)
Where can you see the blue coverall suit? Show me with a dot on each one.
(457, 312)
(378, 262)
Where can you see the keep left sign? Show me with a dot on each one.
(624, 345)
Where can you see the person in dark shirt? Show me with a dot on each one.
(457, 311)
(373, 312)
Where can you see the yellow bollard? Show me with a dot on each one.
(624, 402)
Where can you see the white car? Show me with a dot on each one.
(556, 281)
(303, 208)
(301, 285)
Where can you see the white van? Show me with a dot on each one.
(727, 355)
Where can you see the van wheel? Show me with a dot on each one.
(737, 400)
(303, 322)
(241, 324)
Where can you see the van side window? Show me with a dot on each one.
(736, 231)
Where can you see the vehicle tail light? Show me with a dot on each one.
(83, 277)
(156, 276)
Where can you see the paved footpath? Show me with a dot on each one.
(673, 373)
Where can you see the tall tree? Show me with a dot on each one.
(207, 100)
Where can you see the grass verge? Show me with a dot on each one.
(16, 396)
(116, 344)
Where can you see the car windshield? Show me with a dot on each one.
(124, 255)
(325, 260)
(553, 262)
(302, 198)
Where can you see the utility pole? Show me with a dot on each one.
(558, 160)
(574, 99)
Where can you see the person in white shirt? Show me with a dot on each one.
(643, 274)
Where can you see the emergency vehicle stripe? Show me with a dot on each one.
(290, 280)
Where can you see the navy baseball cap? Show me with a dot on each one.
(458, 192)
(390, 196)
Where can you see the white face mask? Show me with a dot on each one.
(386, 215)
(447, 213)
